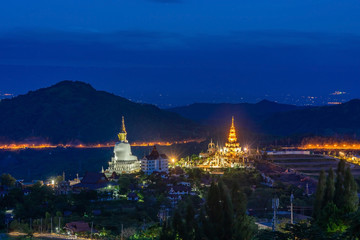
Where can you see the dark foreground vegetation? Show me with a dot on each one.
(223, 207)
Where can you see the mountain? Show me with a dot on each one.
(343, 119)
(72, 111)
(269, 119)
(248, 117)
(220, 113)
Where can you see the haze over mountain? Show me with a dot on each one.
(75, 112)
(337, 120)
(247, 113)
(266, 119)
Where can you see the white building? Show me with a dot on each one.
(155, 162)
(123, 160)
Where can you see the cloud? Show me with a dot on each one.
(157, 49)
(137, 60)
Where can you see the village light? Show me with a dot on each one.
(53, 182)
(173, 160)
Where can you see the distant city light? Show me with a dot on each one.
(338, 93)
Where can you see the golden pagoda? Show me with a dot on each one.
(122, 134)
(232, 147)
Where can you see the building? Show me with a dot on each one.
(123, 160)
(155, 162)
(231, 155)
(73, 228)
(210, 151)
(232, 149)
(93, 181)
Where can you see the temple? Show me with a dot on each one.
(123, 160)
(231, 155)
(232, 148)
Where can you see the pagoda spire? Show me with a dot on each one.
(232, 134)
(122, 134)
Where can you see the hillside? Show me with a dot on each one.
(268, 119)
(341, 119)
(247, 113)
(248, 118)
(76, 112)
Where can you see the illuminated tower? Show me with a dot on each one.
(232, 134)
(232, 148)
(122, 134)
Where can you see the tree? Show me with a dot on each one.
(353, 232)
(190, 223)
(59, 179)
(48, 221)
(244, 227)
(330, 187)
(178, 225)
(15, 196)
(339, 185)
(57, 220)
(213, 204)
(238, 199)
(319, 197)
(7, 180)
(214, 212)
(351, 199)
(217, 219)
(227, 211)
(124, 184)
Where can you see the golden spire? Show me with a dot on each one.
(232, 134)
(122, 134)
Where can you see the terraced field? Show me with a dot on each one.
(309, 164)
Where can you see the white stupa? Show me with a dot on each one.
(123, 160)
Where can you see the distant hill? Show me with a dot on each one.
(269, 119)
(248, 117)
(220, 113)
(75, 112)
(343, 119)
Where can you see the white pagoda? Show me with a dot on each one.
(123, 160)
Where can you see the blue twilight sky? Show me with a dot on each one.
(181, 51)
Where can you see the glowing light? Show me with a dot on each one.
(20, 146)
(53, 182)
(331, 146)
(173, 160)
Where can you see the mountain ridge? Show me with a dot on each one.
(71, 111)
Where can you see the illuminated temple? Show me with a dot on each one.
(231, 155)
(232, 148)
(123, 161)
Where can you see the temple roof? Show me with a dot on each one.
(155, 155)
(232, 134)
(94, 178)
